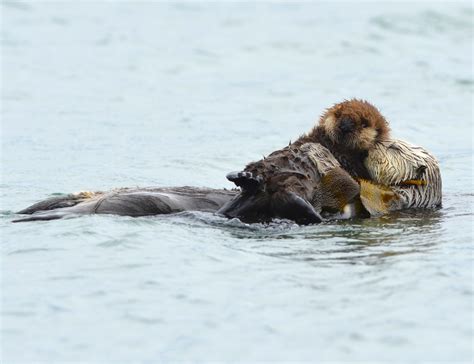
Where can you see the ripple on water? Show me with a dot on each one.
(355, 241)
(34, 250)
(16, 5)
(425, 23)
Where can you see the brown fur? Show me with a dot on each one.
(348, 130)
(364, 126)
(337, 190)
(369, 126)
(292, 185)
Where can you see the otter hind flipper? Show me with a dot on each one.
(245, 180)
(293, 207)
(58, 202)
(262, 208)
(249, 208)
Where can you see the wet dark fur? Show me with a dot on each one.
(131, 202)
(351, 117)
(287, 184)
(352, 161)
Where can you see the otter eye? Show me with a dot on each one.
(364, 123)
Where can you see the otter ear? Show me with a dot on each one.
(337, 112)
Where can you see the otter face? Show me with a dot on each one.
(354, 124)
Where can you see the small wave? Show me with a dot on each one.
(426, 23)
(67, 278)
(16, 5)
(234, 226)
(19, 313)
(466, 83)
(32, 250)
(144, 320)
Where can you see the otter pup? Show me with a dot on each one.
(349, 130)
(295, 183)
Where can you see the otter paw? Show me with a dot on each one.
(246, 180)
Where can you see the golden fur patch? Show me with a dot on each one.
(84, 194)
(378, 199)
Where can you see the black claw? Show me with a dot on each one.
(245, 180)
(421, 170)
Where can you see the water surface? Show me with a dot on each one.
(103, 95)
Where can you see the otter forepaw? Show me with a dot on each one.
(246, 180)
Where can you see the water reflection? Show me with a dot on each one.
(361, 241)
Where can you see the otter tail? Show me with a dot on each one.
(59, 202)
(42, 216)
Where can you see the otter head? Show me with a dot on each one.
(354, 124)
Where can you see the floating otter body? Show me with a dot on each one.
(130, 202)
(297, 183)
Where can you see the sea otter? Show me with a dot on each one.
(295, 183)
(393, 174)
(130, 202)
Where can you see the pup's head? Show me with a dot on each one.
(354, 124)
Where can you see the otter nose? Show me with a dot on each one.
(346, 125)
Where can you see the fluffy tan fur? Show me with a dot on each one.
(364, 123)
